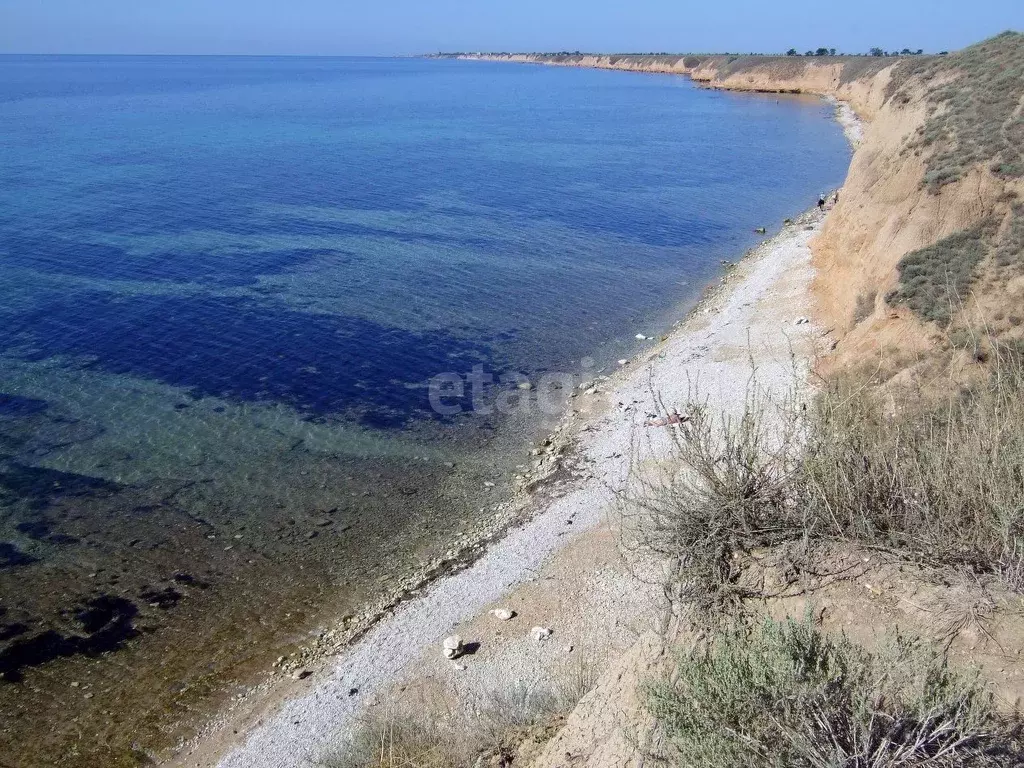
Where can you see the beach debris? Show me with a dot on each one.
(504, 614)
(802, 321)
(540, 633)
(760, 230)
(623, 361)
(591, 391)
(641, 337)
(452, 646)
(672, 418)
(301, 673)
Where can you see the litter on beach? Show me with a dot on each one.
(672, 418)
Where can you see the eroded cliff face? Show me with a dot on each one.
(890, 205)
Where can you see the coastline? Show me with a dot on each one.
(545, 568)
(557, 520)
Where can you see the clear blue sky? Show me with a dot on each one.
(383, 27)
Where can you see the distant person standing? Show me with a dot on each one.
(821, 202)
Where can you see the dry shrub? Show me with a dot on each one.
(425, 735)
(727, 489)
(938, 480)
(865, 306)
(401, 738)
(789, 695)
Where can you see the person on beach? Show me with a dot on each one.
(821, 202)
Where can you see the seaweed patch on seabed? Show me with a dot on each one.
(105, 623)
(14, 406)
(250, 351)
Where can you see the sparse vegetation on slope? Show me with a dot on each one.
(938, 480)
(789, 695)
(974, 109)
(975, 123)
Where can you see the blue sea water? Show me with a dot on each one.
(221, 277)
(223, 225)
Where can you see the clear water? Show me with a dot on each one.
(224, 283)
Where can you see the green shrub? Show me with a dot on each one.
(789, 695)
(935, 280)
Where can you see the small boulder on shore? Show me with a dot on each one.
(452, 646)
(503, 614)
(540, 633)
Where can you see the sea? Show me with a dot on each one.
(267, 326)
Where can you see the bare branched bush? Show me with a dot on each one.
(935, 480)
(727, 489)
(865, 306)
(789, 695)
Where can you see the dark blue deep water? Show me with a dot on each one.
(322, 233)
(224, 283)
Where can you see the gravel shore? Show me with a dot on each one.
(563, 568)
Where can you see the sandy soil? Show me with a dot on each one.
(564, 569)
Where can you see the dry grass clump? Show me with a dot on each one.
(864, 307)
(428, 736)
(972, 98)
(789, 695)
(933, 279)
(939, 481)
(1010, 251)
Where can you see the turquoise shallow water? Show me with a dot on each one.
(225, 283)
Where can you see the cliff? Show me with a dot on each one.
(924, 247)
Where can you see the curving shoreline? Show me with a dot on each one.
(568, 538)
(550, 568)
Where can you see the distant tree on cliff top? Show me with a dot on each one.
(877, 52)
(792, 52)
